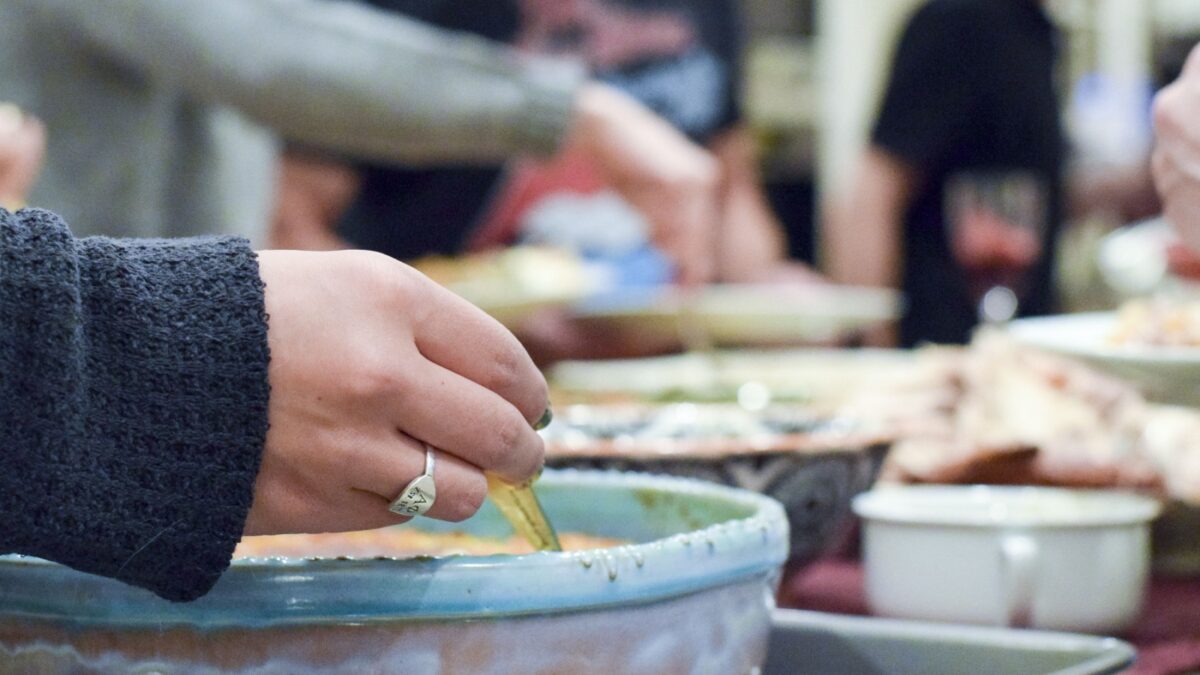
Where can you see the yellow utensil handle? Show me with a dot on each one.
(520, 506)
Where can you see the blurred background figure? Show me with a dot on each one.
(1177, 152)
(680, 58)
(22, 148)
(166, 111)
(960, 196)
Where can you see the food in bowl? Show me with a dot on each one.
(403, 542)
(692, 591)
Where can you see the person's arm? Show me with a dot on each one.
(349, 79)
(863, 237)
(340, 76)
(1125, 193)
(751, 245)
(310, 196)
(22, 148)
(134, 401)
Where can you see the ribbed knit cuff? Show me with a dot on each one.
(133, 401)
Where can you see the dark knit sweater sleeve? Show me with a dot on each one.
(133, 401)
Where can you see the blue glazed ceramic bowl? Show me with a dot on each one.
(691, 593)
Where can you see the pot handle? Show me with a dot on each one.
(1018, 560)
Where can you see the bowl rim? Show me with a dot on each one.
(324, 591)
(887, 505)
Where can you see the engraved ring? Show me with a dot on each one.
(418, 496)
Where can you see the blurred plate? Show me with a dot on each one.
(511, 305)
(747, 314)
(514, 283)
(824, 376)
(1164, 374)
(810, 642)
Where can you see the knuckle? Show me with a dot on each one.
(467, 500)
(508, 371)
(393, 282)
(374, 379)
(509, 432)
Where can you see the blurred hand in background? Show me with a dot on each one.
(1176, 160)
(22, 148)
(666, 177)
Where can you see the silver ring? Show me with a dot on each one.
(418, 496)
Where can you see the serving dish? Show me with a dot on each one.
(1165, 375)
(814, 464)
(813, 376)
(811, 642)
(513, 284)
(705, 562)
(743, 314)
(1007, 556)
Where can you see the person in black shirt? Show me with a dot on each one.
(971, 97)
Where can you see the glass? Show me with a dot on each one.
(996, 222)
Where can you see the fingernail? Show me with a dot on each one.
(544, 420)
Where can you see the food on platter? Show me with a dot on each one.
(1158, 322)
(512, 283)
(996, 412)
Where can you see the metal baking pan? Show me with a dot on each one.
(812, 642)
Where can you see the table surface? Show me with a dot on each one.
(1167, 635)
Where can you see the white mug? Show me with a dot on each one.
(1007, 556)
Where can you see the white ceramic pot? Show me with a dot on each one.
(1007, 556)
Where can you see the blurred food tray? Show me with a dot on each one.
(745, 314)
(811, 642)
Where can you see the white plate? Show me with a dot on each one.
(737, 314)
(1166, 375)
(824, 375)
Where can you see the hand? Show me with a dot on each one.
(670, 180)
(1176, 160)
(22, 148)
(369, 359)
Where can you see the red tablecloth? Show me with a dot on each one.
(1167, 636)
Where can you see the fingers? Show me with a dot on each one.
(1192, 67)
(356, 494)
(386, 469)
(1176, 159)
(461, 338)
(453, 413)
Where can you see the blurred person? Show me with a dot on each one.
(962, 189)
(141, 95)
(161, 398)
(1176, 158)
(679, 58)
(22, 148)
